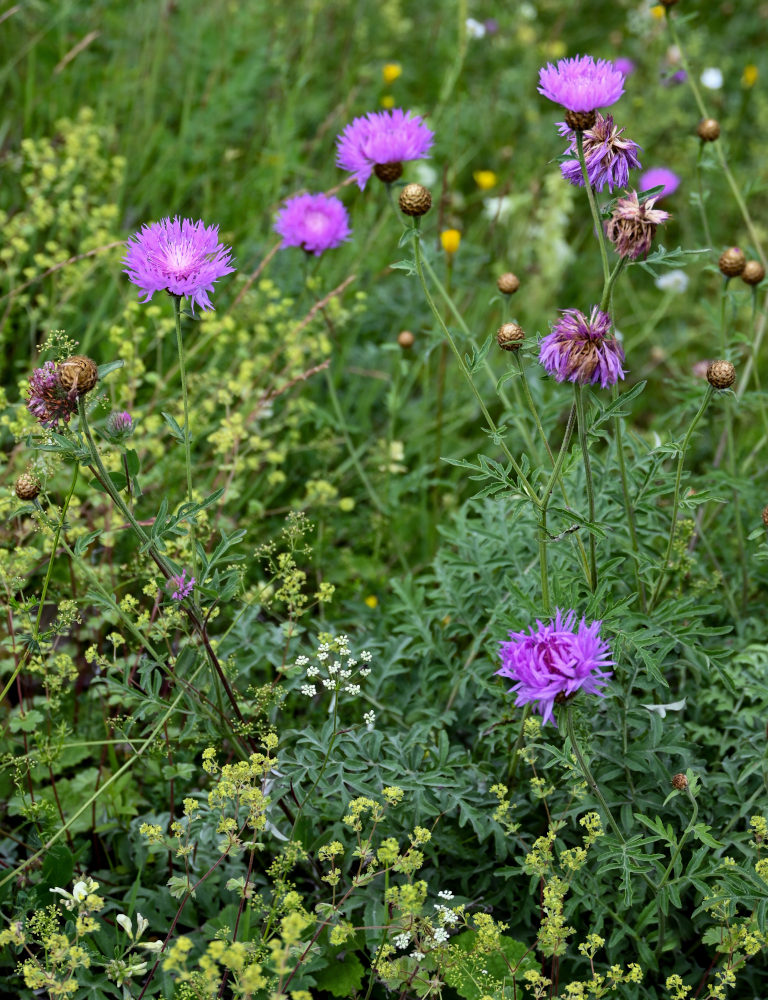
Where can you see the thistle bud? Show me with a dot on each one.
(405, 339)
(415, 200)
(508, 283)
(764, 516)
(753, 272)
(708, 129)
(510, 337)
(78, 374)
(388, 172)
(26, 487)
(732, 262)
(579, 121)
(680, 782)
(721, 374)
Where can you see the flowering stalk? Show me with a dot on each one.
(187, 440)
(583, 442)
(629, 510)
(593, 204)
(676, 498)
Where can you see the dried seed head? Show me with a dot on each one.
(26, 487)
(510, 337)
(680, 782)
(708, 129)
(765, 516)
(721, 374)
(415, 200)
(78, 374)
(732, 262)
(580, 120)
(508, 283)
(388, 172)
(405, 339)
(753, 272)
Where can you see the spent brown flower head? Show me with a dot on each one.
(633, 224)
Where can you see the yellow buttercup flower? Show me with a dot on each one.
(657, 12)
(391, 71)
(387, 101)
(750, 75)
(372, 601)
(485, 179)
(450, 238)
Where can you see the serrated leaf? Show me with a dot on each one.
(341, 978)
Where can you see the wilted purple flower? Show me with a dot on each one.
(554, 661)
(314, 222)
(382, 139)
(48, 401)
(580, 349)
(182, 585)
(178, 256)
(581, 84)
(609, 158)
(632, 225)
(624, 65)
(120, 424)
(659, 176)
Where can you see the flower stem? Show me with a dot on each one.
(593, 205)
(676, 498)
(580, 413)
(584, 767)
(187, 438)
(628, 508)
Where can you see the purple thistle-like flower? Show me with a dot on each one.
(552, 662)
(177, 256)
(580, 349)
(382, 138)
(608, 156)
(48, 401)
(659, 176)
(183, 587)
(632, 225)
(314, 222)
(624, 65)
(120, 424)
(581, 84)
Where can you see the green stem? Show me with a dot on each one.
(676, 498)
(593, 785)
(583, 442)
(516, 749)
(610, 282)
(670, 867)
(700, 199)
(593, 205)
(628, 508)
(187, 435)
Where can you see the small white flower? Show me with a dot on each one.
(155, 946)
(313, 671)
(141, 924)
(425, 174)
(352, 688)
(322, 656)
(309, 690)
(364, 671)
(402, 940)
(474, 28)
(418, 955)
(333, 668)
(672, 281)
(527, 11)
(302, 661)
(369, 718)
(498, 209)
(440, 935)
(365, 656)
(712, 78)
(445, 894)
(125, 923)
(345, 674)
(329, 683)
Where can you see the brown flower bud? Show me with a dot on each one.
(78, 374)
(580, 120)
(26, 487)
(765, 516)
(388, 172)
(732, 262)
(415, 200)
(708, 129)
(510, 337)
(508, 283)
(753, 272)
(721, 374)
(405, 339)
(680, 782)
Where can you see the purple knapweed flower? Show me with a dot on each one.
(624, 65)
(580, 349)
(120, 425)
(632, 225)
(382, 139)
(608, 156)
(581, 84)
(657, 176)
(177, 256)
(183, 587)
(554, 661)
(314, 222)
(673, 80)
(48, 401)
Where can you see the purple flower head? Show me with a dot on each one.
(554, 661)
(581, 84)
(314, 222)
(120, 424)
(183, 587)
(178, 256)
(608, 156)
(624, 65)
(657, 176)
(632, 225)
(382, 138)
(676, 78)
(580, 349)
(48, 401)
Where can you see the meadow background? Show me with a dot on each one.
(354, 504)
